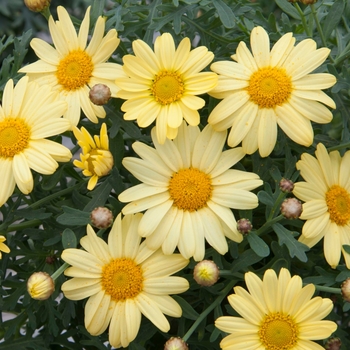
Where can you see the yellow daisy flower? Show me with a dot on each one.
(123, 279)
(3, 247)
(277, 313)
(96, 160)
(326, 193)
(270, 88)
(187, 191)
(72, 67)
(25, 123)
(163, 84)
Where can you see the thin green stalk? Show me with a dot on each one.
(59, 271)
(328, 289)
(319, 28)
(276, 206)
(46, 12)
(23, 225)
(207, 311)
(303, 19)
(268, 224)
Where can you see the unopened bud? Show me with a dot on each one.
(308, 2)
(345, 290)
(333, 344)
(40, 286)
(206, 273)
(244, 226)
(175, 343)
(37, 5)
(286, 185)
(291, 208)
(100, 94)
(101, 217)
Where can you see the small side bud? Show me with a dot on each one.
(100, 94)
(101, 217)
(286, 185)
(308, 2)
(345, 290)
(175, 343)
(40, 286)
(37, 5)
(333, 344)
(291, 208)
(206, 273)
(244, 226)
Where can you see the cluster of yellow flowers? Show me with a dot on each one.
(187, 187)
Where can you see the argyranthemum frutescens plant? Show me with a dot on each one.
(186, 192)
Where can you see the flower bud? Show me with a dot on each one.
(175, 343)
(206, 273)
(40, 286)
(100, 94)
(308, 2)
(101, 217)
(286, 185)
(345, 290)
(333, 344)
(291, 208)
(244, 226)
(37, 5)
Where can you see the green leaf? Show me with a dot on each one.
(187, 310)
(346, 247)
(245, 260)
(295, 248)
(258, 245)
(288, 8)
(226, 15)
(31, 214)
(69, 240)
(265, 198)
(74, 217)
(99, 196)
(333, 18)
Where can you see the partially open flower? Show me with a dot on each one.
(3, 247)
(345, 290)
(175, 343)
(100, 94)
(37, 5)
(206, 273)
(40, 286)
(291, 208)
(101, 217)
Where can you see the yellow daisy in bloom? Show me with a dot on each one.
(266, 88)
(72, 67)
(3, 247)
(162, 85)
(96, 160)
(278, 313)
(187, 191)
(123, 279)
(25, 122)
(326, 193)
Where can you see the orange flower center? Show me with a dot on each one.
(338, 202)
(167, 87)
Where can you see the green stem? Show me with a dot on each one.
(328, 289)
(23, 225)
(59, 271)
(303, 19)
(276, 206)
(268, 224)
(211, 307)
(338, 147)
(46, 12)
(319, 28)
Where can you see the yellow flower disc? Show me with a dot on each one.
(278, 332)
(269, 87)
(167, 87)
(338, 202)
(14, 137)
(122, 279)
(75, 70)
(190, 189)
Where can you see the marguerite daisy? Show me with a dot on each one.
(162, 85)
(270, 88)
(123, 279)
(188, 191)
(72, 67)
(278, 313)
(25, 123)
(326, 193)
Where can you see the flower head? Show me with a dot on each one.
(345, 290)
(123, 279)
(72, 66)
(162, 85)
(25, 123)
(37, 5)
(277, 313)
(187, 191)
(3, 247)
(40, 286)
(175, 343)
(326, 193)
(96, 160)
(270, 88)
